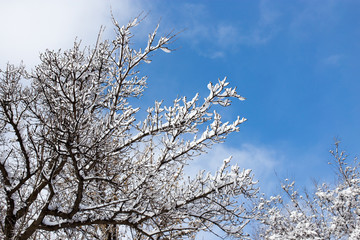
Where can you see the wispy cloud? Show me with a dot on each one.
(263, 161)
(332, 60)
(314, 16)
(217, 39)
(267, 25)
(268, 13)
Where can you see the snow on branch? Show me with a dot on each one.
(77, 163)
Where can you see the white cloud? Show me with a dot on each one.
(29, 27)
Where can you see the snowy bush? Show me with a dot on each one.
(331, 212)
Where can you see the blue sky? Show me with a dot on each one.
(296, 62)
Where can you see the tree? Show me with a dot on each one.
(330, 212)
(76, 163)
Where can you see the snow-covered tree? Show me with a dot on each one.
(75, 162)
(330, 212)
